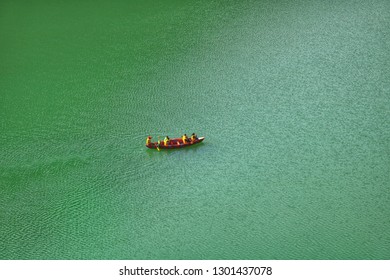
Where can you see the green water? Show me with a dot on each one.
(293, 98)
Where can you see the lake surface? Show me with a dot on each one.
(293, 98)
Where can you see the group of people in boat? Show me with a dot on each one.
(167, 141)
(185, 139)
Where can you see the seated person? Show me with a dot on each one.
(148, 140)
(166, 141)
(194, 137)
(185, 139)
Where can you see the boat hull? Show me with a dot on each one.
(175, 143)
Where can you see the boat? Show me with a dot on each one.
(174, 143)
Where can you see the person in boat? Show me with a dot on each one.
(194, 137)
(185, 139)
(148, 140)
(166, 141)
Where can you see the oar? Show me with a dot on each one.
(158, 144)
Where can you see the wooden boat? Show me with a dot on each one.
(174, 143)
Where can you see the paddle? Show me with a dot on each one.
(158, 143)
